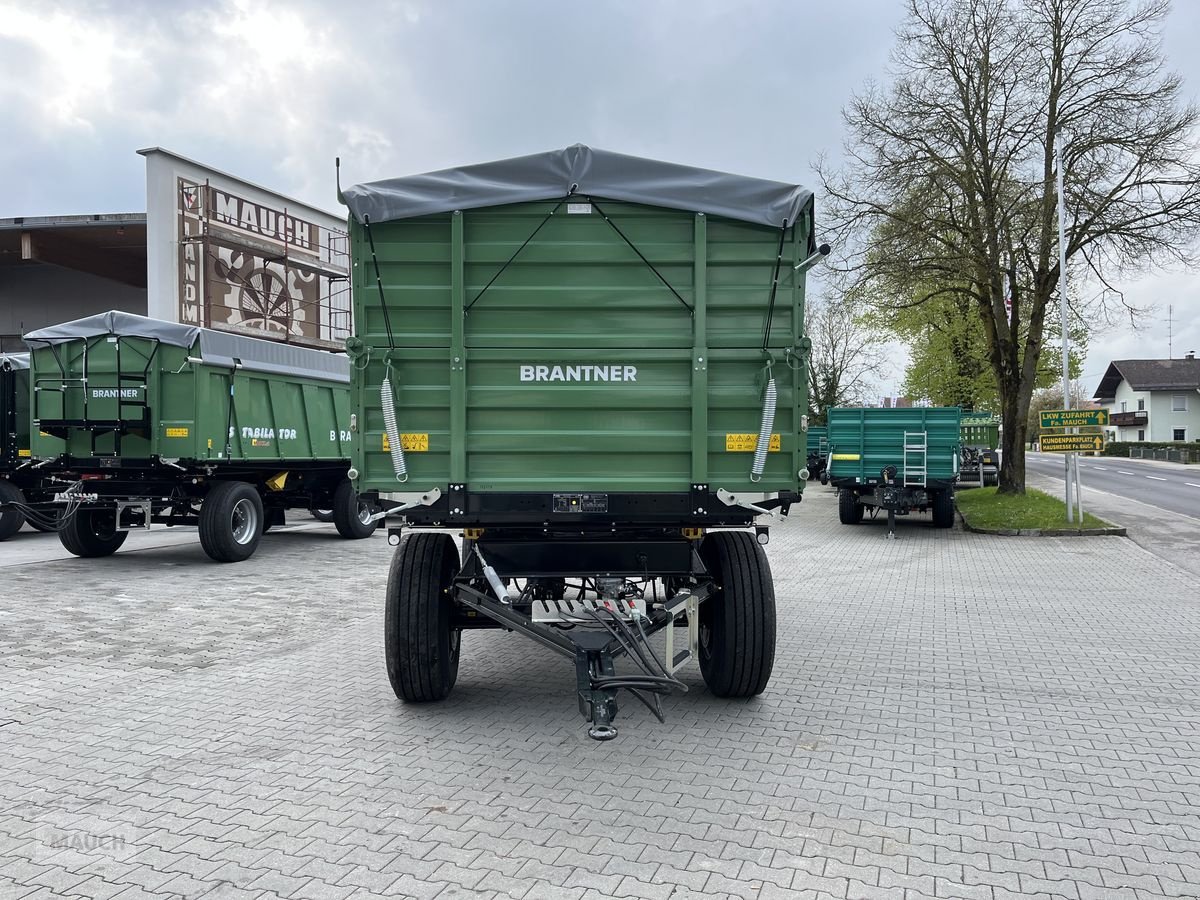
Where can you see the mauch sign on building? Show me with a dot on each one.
(248, 267)
(235, 257)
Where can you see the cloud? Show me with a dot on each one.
(274, 90)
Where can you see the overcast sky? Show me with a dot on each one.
(273, 91)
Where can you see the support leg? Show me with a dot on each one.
(598, 706)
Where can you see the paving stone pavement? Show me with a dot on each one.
(951, 715)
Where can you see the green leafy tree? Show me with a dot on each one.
(951, 171)
(847, 358)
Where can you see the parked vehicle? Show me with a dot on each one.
(139, 422)
(980, 437)
(591, 367)
(20, 482)
(818, 453)
(898, 460)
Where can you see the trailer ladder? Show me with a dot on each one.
(916, 457)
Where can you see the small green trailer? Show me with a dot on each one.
(818, 452)
(980, 436)
(591, 367)
(20, 483)
(139, 422)
(895, 459)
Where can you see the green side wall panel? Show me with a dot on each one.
(980, 430)
(817, 439)
(874, 438)
(273, 418)
(465, 356)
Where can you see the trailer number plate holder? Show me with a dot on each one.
(580, 503)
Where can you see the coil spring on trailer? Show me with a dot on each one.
(393, 432)
(770, 396)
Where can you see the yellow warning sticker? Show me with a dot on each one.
(846, 456)
(746, 443)
(24, 453)
(177, 432)
(410, 443)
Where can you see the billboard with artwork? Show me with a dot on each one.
(226, 254)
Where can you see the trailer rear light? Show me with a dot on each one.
(94, 476)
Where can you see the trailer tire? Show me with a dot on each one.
(322, 515)
(350, 514)
(92, 533)
(850, 511)
(421, 648)
(737, 624)
(231, 521)
(943, 509)
(11, 518)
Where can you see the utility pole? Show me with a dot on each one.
(1069, 458)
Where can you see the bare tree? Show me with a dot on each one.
(949, 188)
(847, 356)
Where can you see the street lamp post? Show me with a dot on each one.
(1070, 461)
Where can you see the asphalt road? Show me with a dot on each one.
(1170, 487)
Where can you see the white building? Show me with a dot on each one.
(1152, 399)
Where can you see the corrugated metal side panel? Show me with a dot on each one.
(875, 439)
(816, 434)
(274, 418)
(576, 296)
(981, 435)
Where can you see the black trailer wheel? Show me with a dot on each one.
(322, 515)
(737, 624)
(825, 478)
(419, 644)
(231, 521)
(11, 518)
(850, 511)
(92, 533)
(352, 515)
(943, 509)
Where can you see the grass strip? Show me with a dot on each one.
(985, 508)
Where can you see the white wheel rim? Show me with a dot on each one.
(244, 521)
(364, 513)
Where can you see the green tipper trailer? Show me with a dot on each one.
(980, 436)
(20, 483)
(582, 362)
(138, 421)
(818, 452)
(897, 460)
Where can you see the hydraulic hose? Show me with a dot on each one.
(770, 396)
(396, 449)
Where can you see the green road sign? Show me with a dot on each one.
(1073, 418)
(1070, 443)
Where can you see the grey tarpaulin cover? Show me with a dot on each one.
(14, 360)
(598, 173)
(216, 347)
